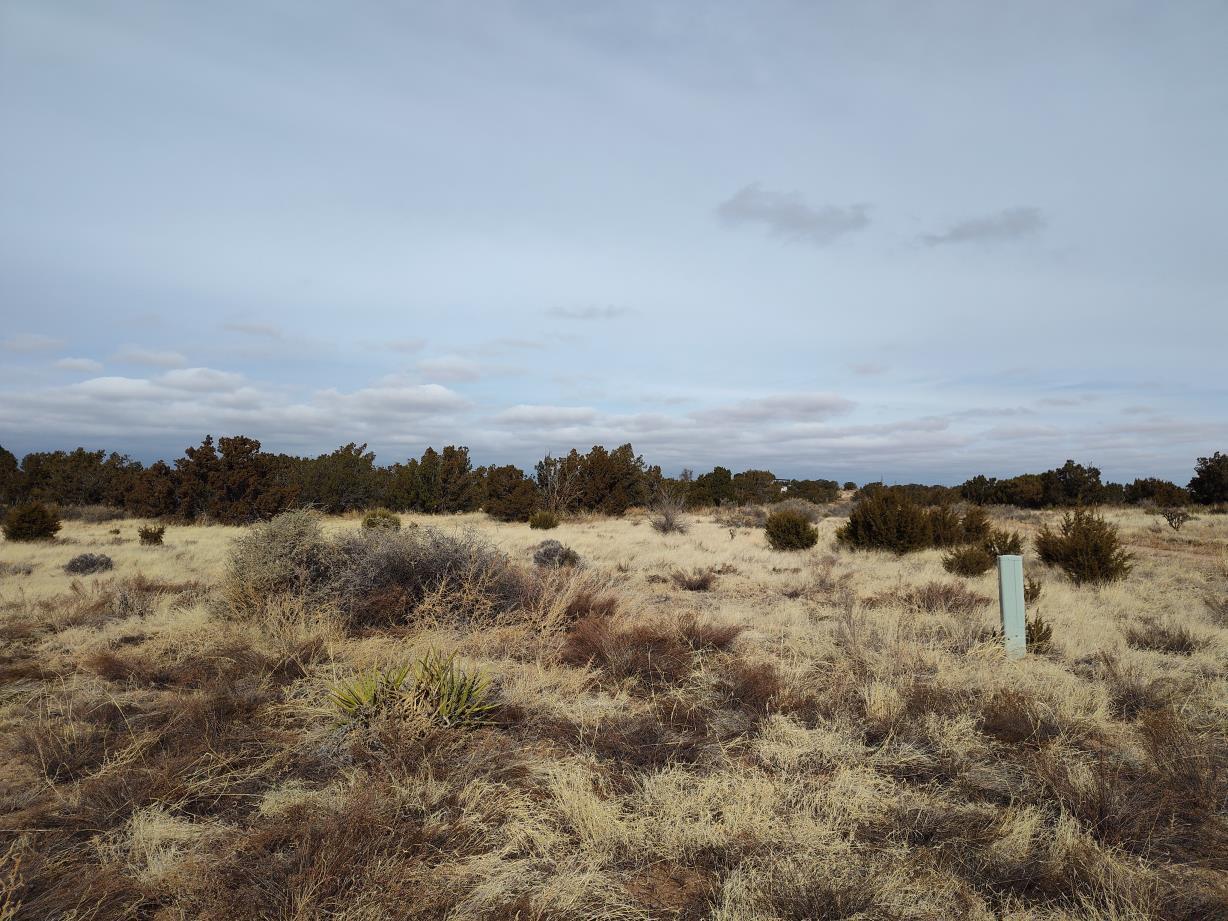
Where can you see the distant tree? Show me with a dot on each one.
(10, 478)
(755, 487)
(1156, 491)
(510, 495)
(152, 493)
(246, 484)
(817, 491)
(558, 481)
(711, 488)
(193, 473)
(342, 481)
(460, 489)
(1071, 484)
(1210, 482)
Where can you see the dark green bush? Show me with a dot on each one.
(945, 527)
(887, 521)
(1003, 543)
(543, 520)
(1086, 548)
(968, 561)
(382, 518)
(30, 521)
(790, 530)
(152, 535)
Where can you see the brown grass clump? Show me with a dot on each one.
(935, 597)
(697, 580)
(1158, 636)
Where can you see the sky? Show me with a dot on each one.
(909, 241)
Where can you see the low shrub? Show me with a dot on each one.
(1031, 590)
(542, 520)
(1038, 633)
(85, 564)
(934, 598)
(447, 695)
(1177, 639)
(790, 530)
(968, 561)
(551, 553)
(668, 518)
(1175, 517)
(434, 687)
(698, 580)
(31, 521)
(383, 519)
(1086, 548)
(813, 512)
(151, 536)
(368, 693)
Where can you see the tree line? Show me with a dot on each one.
(234, 481)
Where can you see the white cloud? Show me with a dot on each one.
(546, 416)
(607, 312)
(201, 379)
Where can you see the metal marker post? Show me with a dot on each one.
(1010, 596)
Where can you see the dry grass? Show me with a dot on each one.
(835, 735)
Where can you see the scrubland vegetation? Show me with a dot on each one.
(649, 716)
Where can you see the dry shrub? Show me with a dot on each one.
(812, 513)
(933, 598)
(84, 564)
(382, 518)
(668, 517)
(152, 535)
(1016, 717)
(741, 516)
(543, 520)
(697, 580)
(654, 653)
(374, 576)
(1173, 638)
(551, 553)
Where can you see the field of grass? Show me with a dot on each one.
(688, 726)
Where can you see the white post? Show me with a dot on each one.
(1010, 597)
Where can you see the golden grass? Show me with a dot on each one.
(824, 734)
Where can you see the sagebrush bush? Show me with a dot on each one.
(787, 530)
(373, 576)
(552, 553)
(151, 535)
(1086, 547)
(86, 563)
(968, 561)
(668, 518)
(30, 521)
(382, 518)
(543, 520)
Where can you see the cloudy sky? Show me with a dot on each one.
(908, 240)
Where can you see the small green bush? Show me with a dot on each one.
(383, 519)
(152, 535)
(368, 693)
(968, 561)
(30, 522)
(542, 520)
(1038, 634)
(447, 695)
(1086, 548)
(790, 530)
(1031, 590)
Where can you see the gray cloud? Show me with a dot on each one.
(780, 407)
(589, 313)
(1002, 226)
(261, 330)
(26, 343)
(79, 364)
(450, 368)
(158, 358)
(786, 214)
(868, 368)
(404, 345)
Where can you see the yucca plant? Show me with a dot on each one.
(368, 692)
(446, 694)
